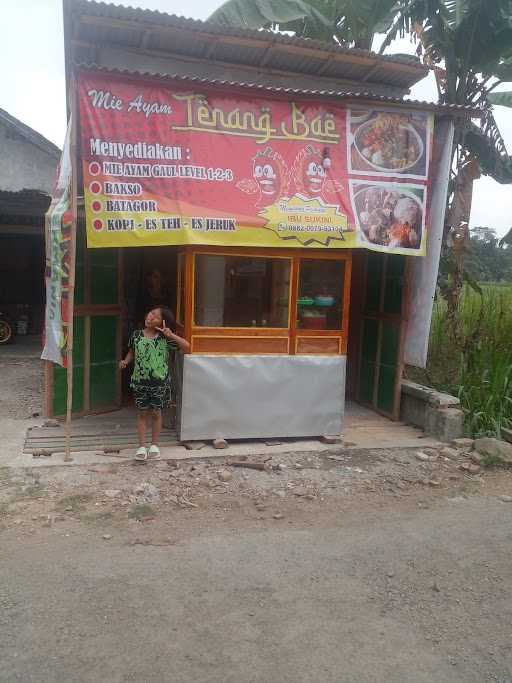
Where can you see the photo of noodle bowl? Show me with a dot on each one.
(389, 215)
(387, 142)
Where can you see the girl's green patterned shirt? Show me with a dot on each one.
(151, 357)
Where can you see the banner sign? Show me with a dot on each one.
(163, 165)
(58, 234)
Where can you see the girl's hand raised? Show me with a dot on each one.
(166, 331)
(123, 364)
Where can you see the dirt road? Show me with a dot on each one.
(21, 373)
(377, 584)
(383, 566)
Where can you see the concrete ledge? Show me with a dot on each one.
(429, 395)
(438, 414)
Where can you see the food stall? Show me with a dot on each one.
(282, 215)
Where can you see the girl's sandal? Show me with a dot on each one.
(154, 452)
(141, 454)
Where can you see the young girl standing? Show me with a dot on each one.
(151, 381)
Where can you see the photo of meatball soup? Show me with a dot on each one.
(389, 217)
(388, 143)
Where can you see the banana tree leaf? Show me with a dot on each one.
(498, 166)
(359, 20)
(330, 9)
(245, 14)
(473, 33)
(502, 70)
(264, 13)
(504, 99)
(311, 26)
(347, 21)
(354, 21)
(489, 47)
(406, 55)
(485, 33)
(438, 18)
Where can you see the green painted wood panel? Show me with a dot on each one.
(103, 372)
(369, 337)
(394, 284)
(386, 388)
(103, 276)
(388, 366)
(60, 392)
(379, 361)
(390, 343)
(366, 381)
(374, 268)
(395, 265)
(80, 266)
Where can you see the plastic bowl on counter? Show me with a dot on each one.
(323, 300)
(313, 320)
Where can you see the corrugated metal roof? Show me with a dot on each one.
(32, 195)
(401, 71)
(25, 203)
(363, 94)
(29, 134)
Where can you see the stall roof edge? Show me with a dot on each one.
(29, 134)
(91, 21)
(19, 203)
(365, 95)
(26, 193)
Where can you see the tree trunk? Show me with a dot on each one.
(457, 242)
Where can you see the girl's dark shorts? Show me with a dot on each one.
(151, 396)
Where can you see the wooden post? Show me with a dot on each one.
(404, 323)
(48, 388)
(72, 263)
(189, 294)
(293, 295)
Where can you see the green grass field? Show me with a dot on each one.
(481, 373)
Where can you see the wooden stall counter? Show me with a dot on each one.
(264, 301)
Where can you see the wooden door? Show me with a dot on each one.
(383, 326)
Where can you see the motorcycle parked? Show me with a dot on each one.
(6, 329)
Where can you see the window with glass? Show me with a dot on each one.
(241, 291)
(320, 295)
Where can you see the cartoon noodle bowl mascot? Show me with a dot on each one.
(269, 177)
(310, 175)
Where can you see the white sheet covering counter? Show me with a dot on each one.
(248, 396)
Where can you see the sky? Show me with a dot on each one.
(32, 84)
